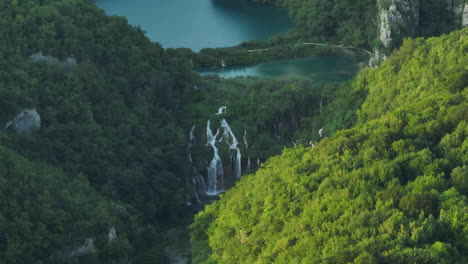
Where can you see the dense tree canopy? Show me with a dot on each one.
(392, 189)
(111, 152)
(108, 99)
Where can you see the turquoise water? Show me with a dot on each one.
(337, 68)
(198, 24)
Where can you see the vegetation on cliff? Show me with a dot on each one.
(391, 189)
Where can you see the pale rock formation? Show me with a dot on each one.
(86, 248)
(26, 121)
(112, 234)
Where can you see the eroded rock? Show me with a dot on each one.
(27, 121)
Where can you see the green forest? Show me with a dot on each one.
(391, 189)
(104, 173)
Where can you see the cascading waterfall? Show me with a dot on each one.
(321, 104)
(215, 169)
(246, 147)
(192, 141)
(232, 141)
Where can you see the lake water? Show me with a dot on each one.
(198, 24)
(337, 68)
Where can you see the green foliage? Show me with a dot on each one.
(388, 190)
(113, 118)
(46, 213)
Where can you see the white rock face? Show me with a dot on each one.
(401, 17)
(387, 18)
(86, 248)
(36, 57)
(27, 121)
(464, 22)
(68, 62)
(376, 58)
(112, 234)
(320, 132)
(459, 8)
(399, 20)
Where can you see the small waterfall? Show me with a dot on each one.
(191, 142)
(246, 147)
(320, 132)
(202, 182)
(228, 134)
(192, 139)
(321, 104)
(215, 169)
(196, 196)
(276, 131)
(245, 139)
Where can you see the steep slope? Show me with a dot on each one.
(380, 25)
(110, 132)
(392, 189)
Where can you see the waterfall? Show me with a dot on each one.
(196, 196)
(228, 134)
(215, 169)
(276, 131)
(245, 139)
(321, 104)
(246, 147)
(192, 139)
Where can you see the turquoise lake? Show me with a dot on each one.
(336, 68)
(198, 24)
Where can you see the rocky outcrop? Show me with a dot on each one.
(464, 21)
(459, 9)
(27, 121)
(39, 57)
(86, 248)
(377, 58)
(112, 234)
(398, 19)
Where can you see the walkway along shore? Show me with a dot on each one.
(316, 44)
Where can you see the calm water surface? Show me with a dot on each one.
(198, 24)
(337, 68)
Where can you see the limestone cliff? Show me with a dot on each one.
(459, 9)
(399, 19)
(464, 21)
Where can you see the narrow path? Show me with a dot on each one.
(316, 44)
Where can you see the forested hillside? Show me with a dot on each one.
(391, 189)
(108, 102)
(96, 161)
(94, 127)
